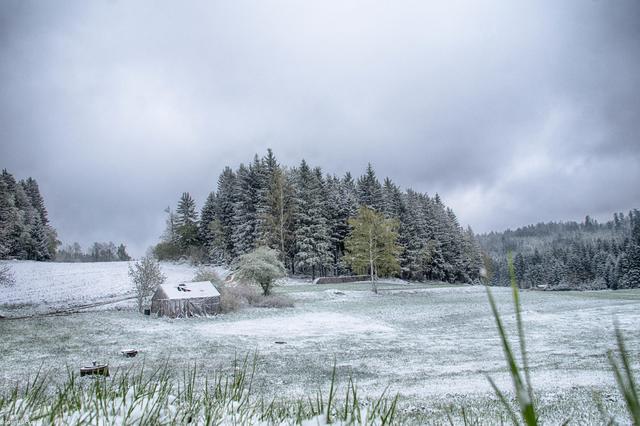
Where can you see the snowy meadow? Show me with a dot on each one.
(431, 344)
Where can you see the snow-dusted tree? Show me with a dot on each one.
(7, 213)
(372, 245)
(312, 244)
(260, 169)
(260, 266)
(33, 192)
(369, 190)
(187, 222)
(278, 213)
(347, 204)
(37, 248)
(416, 254)
(226, 209)
(146, 276)
(336, 219)
(170, 234)
(169, 246)
(245, 215)
(122, 253)
(391, 199)
(630, 271)
(24, 233)
(471, 255)
(209, 230)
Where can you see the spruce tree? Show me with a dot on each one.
(206, 228)
(33, 192)
(226, 210)
(312, 243)
(391, 200)
(370, 190)
(187, 222)
(245, 220)
(7, 218)
(122, 253)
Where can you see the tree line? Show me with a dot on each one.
(304, 215)
(97, 252)
(568, 255)
(25, 231)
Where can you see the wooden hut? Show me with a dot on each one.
(185, 300)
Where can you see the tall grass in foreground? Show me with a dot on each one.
(624, 377)
(158, 398)
(520, 375)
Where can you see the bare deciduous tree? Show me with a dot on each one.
(6, 276)
(146, 276)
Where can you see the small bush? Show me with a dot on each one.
(196, 255)
(232, 298)
(167, 251)
(273, 301)
(206, 274)
(261, 266)
(7, 278)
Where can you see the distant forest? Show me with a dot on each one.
(569, 255)
(98, 252)
(25, 232)
(303, 214)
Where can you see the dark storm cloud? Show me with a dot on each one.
(514, 112)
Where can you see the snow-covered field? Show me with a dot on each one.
(434, 345)
(55, 285)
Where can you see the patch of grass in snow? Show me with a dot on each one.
(159, 398)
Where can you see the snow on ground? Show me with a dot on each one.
(302, 325)
(434, 345)
(54, 284)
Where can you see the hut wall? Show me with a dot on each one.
(180, 308)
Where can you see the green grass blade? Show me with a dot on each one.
(624, 378)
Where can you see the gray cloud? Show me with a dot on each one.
(513, 112)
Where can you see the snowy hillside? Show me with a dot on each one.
(62, 284)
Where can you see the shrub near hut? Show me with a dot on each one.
(261, 266)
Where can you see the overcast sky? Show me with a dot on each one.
(514, 112)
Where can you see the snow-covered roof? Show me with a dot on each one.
(190, 290)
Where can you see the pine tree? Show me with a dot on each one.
(226, 210)
(122, 253)
(244, 215)
(391, 200)
(187, 222)
(312, 244)
(33, 192)
(335, 220)
(37, 244)
(208, 230)
(260, 178)
(7, 217)
(519, 267)
(471, 256)
(416, 255)
(369, 190)
(630, 270)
